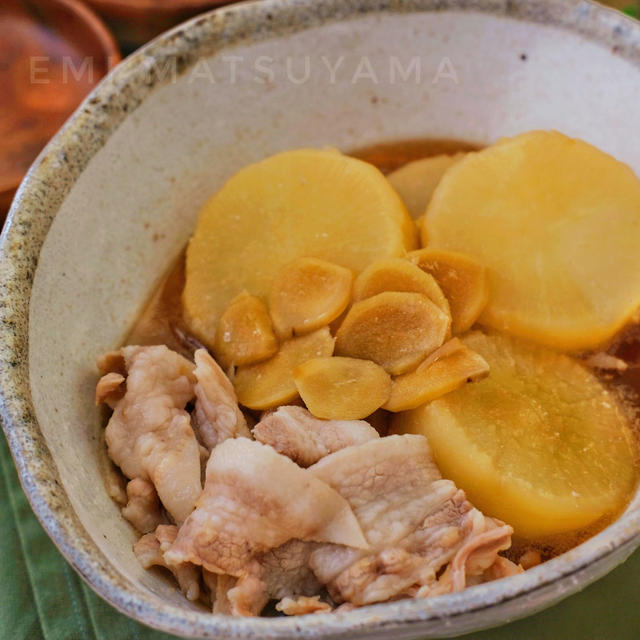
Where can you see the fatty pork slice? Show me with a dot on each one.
(143, 507)
(303, 605)
(217, 414)
(110, 389)
(280, 574)
(254, 501)
(149, 434)
(415, 522)
(150, 551)
(297, 434)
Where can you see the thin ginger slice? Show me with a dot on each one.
(462, 280)
(308, 294)
(396, 330)
(270, 383)
(416, 181)
(396, 274)
(244, 334)
(555, 221)
(446, 369)
(540, 443)
(307, 202)
(342, 388)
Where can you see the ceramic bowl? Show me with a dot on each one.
(112, 200)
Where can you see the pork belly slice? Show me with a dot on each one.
(415, 522)
(219, 586)
(501, 568)
(150, 551)
(303, 605)
(217, 415)
(110, 389)
(254, 501)
(143, 506)
(297, 434)
(149, 434)
(282, 573)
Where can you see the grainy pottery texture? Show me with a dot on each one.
(113, 198)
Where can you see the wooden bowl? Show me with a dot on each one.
(54, 52)
(134, 22)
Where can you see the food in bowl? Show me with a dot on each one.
(380, 408)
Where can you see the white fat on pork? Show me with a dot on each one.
(151, 550)
(297, 434)
(415, 522)
(143, 506)
(217, 415)
(149, 434)
(254, 501)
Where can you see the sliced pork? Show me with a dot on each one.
(217, 415)
(151, 550)
(143, 506)
(302, 606)
(149, 434)
(254, 501)
(415, 522)
(110, 389)
(295, 433)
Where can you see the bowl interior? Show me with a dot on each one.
(350, 82)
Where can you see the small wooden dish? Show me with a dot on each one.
(53, 53)
(135, 22)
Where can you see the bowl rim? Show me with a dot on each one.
(38, 199)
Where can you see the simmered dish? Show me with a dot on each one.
(355, 388)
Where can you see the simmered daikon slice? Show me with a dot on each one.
(557, 224)
(308, 202)
(540, 443)
(416, 181)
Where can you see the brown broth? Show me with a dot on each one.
(162, 323)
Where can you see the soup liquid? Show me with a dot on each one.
(162, 323)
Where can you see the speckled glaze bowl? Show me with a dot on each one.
(114, 197)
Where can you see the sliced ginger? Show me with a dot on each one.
(244, 334)
(446, 369)
(462, 280)
(342, 388)
(270, 383)
(297, 203)
(540, 443)
(556, 223)
(416, 181)
(308, 294)
(396, 274)
(396, 330)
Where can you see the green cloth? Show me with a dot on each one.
(43, 598)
